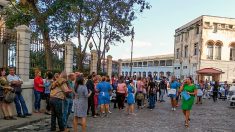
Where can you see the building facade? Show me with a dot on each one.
(156, 66)
(207, 42)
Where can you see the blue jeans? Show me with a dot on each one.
(68, 103)
(152, 101)
(37, 100)
(19, 102)
(162, 94)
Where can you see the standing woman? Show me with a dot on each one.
(191, 90)
(200, 92)
(121, 93)
(130, 97)
(152, 94)
(47, 84)
(139, 94)
(174, 86)
(4, 89)
(38, 90)
(104, 97)
(80, 104)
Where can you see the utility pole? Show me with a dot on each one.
(132, 39)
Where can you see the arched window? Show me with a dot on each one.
(218, 46)
(161, 74)
(232, 51)
(168, 74)
(150, 73)
(210, 47)
(126, 73)
(139, 74)
(144, 74)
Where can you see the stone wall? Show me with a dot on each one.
(228, 67)
(27, 92)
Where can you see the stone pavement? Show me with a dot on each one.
(7, 125)
(208, 117)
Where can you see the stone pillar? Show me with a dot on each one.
(68, 57)
(94, 60)
(22, 63)
(120, 67)
(109, 65)
(23, 52)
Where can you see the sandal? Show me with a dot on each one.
(186, 124)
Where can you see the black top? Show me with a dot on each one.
(90, 85)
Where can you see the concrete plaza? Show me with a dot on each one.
(208, 117)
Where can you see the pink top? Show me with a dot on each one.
(121, 88)
(140, 86)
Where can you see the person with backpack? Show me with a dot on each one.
(162, 88)
(152, 94)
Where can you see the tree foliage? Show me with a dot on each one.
(104, 22)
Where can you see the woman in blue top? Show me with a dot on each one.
(130, 97)
(104, 97)
(174, 86)
(47, 85)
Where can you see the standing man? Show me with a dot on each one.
(68, 102)
(16, 83)
(162, 89)
(91, 88)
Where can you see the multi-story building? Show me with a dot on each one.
(157, 66)
(205, 49)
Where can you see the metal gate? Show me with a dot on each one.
(8, 40)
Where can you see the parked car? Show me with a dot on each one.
(231, 95)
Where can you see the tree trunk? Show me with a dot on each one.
(48, 54)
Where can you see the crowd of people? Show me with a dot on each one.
(73, 93)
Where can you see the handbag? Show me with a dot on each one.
(172, 91)
(199, 92)
(185, 95)
(140, 96)
(9, 97)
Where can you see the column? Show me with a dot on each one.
(22, 64)
(68, 57)
(109, 65)
(94, 60)
(23, 52)
(120, 67)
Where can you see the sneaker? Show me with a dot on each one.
(21, 116)
(110, 112)
(172, 109)
(95, 116)
(28, 114)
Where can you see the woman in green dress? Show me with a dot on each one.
(191, 89)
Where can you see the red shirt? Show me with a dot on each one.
(38, 80)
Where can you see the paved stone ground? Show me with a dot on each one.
(208, 117)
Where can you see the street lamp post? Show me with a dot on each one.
(132, 39)
(107, 48)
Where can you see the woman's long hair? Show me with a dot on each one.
(79, 81)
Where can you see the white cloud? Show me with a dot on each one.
(142, 44)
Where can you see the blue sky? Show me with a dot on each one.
(154, 29)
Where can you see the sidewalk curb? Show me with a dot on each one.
(9, 128)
